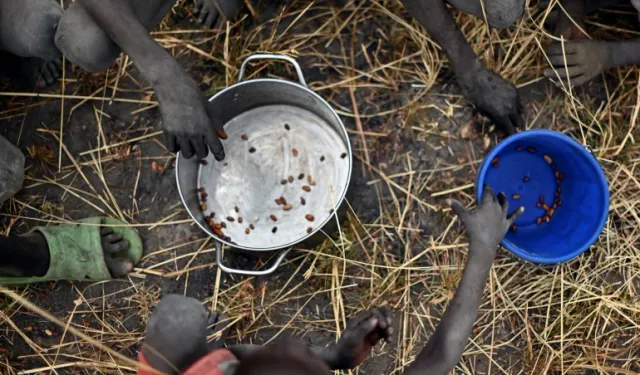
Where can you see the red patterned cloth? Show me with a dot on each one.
(207, 365)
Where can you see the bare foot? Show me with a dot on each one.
(113, 244)
(39, 73)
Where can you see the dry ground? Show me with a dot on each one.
(92, 141)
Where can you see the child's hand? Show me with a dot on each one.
(361, 335)
(488, 224)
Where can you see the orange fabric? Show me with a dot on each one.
(207, 365)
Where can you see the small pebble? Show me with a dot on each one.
(300, 176)
(547, 218)
(286, 207)
(294, 152)
(284, 201)
(236, 208)
(526, 179)
(495, 162)
(252, 227)
(203, 207)
(559, 202)
(551, 212)
(240, 220)
(344, 155)
(309, 217)
(203, 162)
(515, 196)
(548, 159)
(275, 229)
(213, 214)
(223, 224)
(278, 201)
(306, 188)
(286, 126)
(244, 137)
(202, 190)
(309, 230)
(531, 149)
(539, 221)
(513, 228)
(252, 150)
(247, 231)
(302, 201)
(230, 218)
(273, 217)
(546, 207)
(539, 205)
(283, 182)
(290, 179)
(322, 158)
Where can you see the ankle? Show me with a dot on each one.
(24, 256)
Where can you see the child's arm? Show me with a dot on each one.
(361, 335)
(486, 226)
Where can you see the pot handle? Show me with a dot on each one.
(268, 271)
(269, 56)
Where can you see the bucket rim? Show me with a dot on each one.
(593, 162)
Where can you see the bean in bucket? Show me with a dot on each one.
(560, 184)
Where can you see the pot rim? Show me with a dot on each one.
(339, 201)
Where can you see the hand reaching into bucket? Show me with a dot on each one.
(488, 224)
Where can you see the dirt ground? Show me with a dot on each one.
(416, 142)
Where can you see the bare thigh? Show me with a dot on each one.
(85, 44)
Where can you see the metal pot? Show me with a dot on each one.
(284, 141)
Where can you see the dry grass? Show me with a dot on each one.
(384, 76)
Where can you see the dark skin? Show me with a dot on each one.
(176, 339)
(33, 28)
(582, 59)
(486, 227)
(490, 93)
(41, 60)
(188, 124)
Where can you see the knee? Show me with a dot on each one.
(83, 43)
(501, 14)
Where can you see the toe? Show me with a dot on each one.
(111, 238)
(105, 230)
(211, 19)
(119, 267)
(202, 15)
(113, 248)
(46, 75)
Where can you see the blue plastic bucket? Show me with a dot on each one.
(524, 167)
